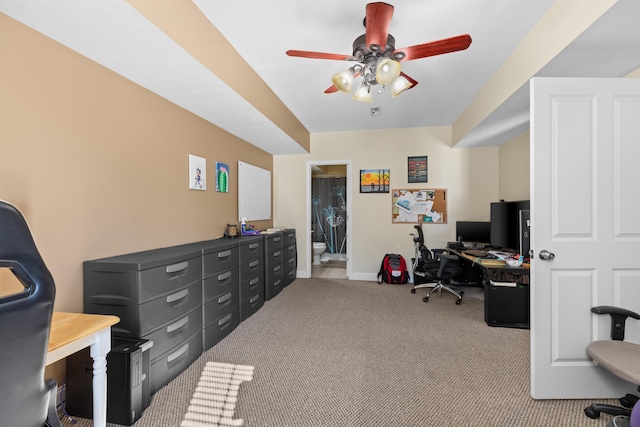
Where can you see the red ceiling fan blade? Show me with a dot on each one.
(438, 47)
(377, 24)
(320, 55)
(414, 83)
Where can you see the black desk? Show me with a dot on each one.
(506, 306)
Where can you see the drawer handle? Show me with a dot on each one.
(178, 296)
(276, 254)
(254, 281)
(178, 325)
(292, 261)
(224, 276)
(225, 319)
(292, 248)
(175, 268)
(277, 283)
(181, 351)
(276, 239)
(292, 274)
(254, 299)
(224, 254)
(254, 263)
(277, 268)
(254, 245)
(224, 298)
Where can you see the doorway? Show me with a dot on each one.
(328, 218)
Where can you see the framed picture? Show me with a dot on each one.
(222, 177)
(417, 169)
(374, 180)
(197, 173)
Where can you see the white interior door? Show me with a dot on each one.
(585, 209)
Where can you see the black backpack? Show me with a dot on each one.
(393, 270)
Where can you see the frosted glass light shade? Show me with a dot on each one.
(362, 94)
(399, 85)
(387, 71)
(343, 80)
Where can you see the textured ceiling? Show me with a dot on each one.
(118, 36)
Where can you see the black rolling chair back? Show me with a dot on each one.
(26, 398)
(434, 269)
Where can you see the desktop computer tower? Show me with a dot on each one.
(127, 381)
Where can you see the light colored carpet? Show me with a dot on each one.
(339, 353)
(214, 400)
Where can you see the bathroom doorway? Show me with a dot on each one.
(328, 219)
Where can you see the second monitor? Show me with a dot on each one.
(473, 231)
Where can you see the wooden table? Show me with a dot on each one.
(71, 332)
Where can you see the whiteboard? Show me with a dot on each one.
(254, 192)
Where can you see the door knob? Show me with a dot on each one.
(546, 255)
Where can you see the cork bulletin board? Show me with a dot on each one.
(424, 205)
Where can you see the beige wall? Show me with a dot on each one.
(470, 175)
(99, 165)
(514, 169)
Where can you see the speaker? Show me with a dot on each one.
(127, 381)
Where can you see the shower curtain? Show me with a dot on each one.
(329, 213)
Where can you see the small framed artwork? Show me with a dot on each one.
(197, 173)
(222, 177)
(417, 168)
(374, 180)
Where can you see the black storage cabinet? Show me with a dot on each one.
(252, 273)
(273, 267)
(157, 295)
(290, 256)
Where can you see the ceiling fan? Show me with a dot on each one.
(378, 60)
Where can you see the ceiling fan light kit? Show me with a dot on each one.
(378, 61)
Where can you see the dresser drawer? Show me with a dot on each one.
(139, 277)
(252, 285)
(251, 247)
(174, 332)
(220, 328)
(272, 242)
(220, 305)
(220, 260)
(290, 251)
(289, 275)
(168, 307)
(274, 282)
(251, 305)
(289, 237)
(166, 367)
(252, 268)
(220, 282)
(273, 258)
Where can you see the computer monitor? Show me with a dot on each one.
(473, 231)
(505, 223)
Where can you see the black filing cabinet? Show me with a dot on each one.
(290, 256)
(220, 289)
(273, 267)
(157, 295)
(252, 272)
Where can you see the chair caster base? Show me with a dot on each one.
(413, 291)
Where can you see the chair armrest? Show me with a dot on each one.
(618, 319)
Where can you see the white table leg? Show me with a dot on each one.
(99, 350)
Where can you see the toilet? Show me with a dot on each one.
(318, 249)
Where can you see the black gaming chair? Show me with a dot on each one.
(435, 269)
(619, 357)
(26, 398)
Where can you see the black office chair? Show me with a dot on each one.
(620, 357)
(26, 398)
(434, 269)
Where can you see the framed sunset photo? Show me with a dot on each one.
(374, 180)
